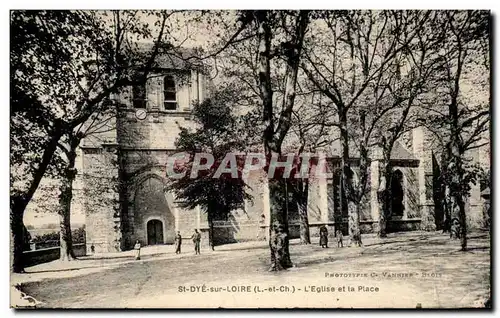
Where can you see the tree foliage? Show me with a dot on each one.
(65, 65)
(218, 133)
(461, 118)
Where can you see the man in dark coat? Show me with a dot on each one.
(196, 240)
(178, 242)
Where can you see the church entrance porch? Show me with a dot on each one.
(153, 221)
(155, 232)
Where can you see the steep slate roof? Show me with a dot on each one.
(400, 153)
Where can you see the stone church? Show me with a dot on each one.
(123, 176)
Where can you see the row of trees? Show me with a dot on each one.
(369, 77)
(296, 77)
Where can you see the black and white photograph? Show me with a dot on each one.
(263, 159)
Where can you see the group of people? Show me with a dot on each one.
(196, 237)
(323, 237)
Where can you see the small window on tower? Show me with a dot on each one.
(169, 94)
(139, 96)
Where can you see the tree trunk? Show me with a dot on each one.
(300, 195)
(384, 196)
(463, 228)
(456, 192)
(455, 167)
(65, 197)
(17, 239)
(273, 136)
(352, 209)
(305, 237)
(285, 238)
(278, 231)
(210, 229)
(354, 231)
(445, 191)
(359, 185)
(347, 176)
(457, 206)
(65, 237)
(19, 202)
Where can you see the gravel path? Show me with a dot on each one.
(405, 270)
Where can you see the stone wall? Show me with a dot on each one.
(150, 203)
(187, 221)
(411, 185)
(101, 199)
(422, 149)
(35, 257)
(158, 131)
(148, 199)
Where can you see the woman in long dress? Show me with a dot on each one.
(137, 248)
(323, 236)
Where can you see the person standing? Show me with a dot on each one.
(137, 248)
(196, 240)
(323, 237)
(178, 242)
(340, 238)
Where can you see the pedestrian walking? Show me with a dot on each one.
(137, 248)
(196, 240)
(178, 242)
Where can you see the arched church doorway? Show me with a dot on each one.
(397, 194)
(155, 232)
(153, 219)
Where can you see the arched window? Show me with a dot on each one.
(169, 93)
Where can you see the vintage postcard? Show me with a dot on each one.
(250, 159)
